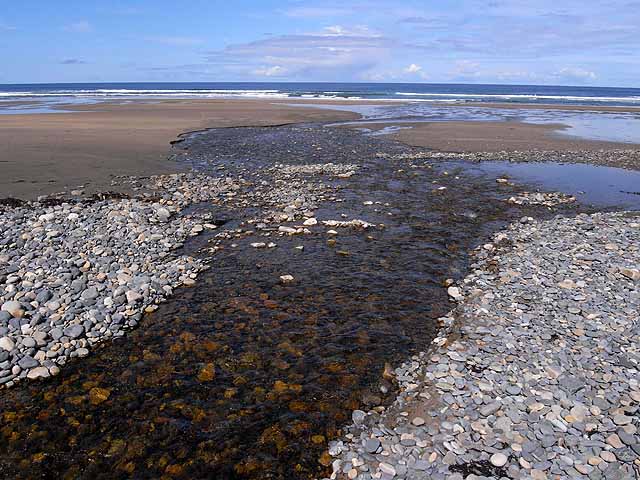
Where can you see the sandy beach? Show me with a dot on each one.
(42, 154)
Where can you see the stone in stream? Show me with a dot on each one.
(38, 372)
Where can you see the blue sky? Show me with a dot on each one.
(568, 42)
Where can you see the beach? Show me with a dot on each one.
(42, 154)
(59, 152)
(255, 281)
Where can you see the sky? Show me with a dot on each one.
(558, 42)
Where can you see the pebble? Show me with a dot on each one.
(498, 459)
(372, 445)
(387, 468)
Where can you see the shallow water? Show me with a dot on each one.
(242, 376)
(600, 186)
(621, 127)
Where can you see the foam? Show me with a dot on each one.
(521, 96)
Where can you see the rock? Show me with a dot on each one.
(38, 372)
(310, 222)
(90, 293)
(372, 445)
(498, 459)
(490, 409)
(454, 292)
(7, 344)
(14, 308)
(163, 214)
(28, 362)
(358, 416)
(133, 296)
(74, 331)
(43, 297)
(387, 469)
(82, 352)
(631, 273)
(622, 420)
(286, 278)
(614, 441)
(98, 395)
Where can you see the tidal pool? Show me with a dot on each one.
(603, 187)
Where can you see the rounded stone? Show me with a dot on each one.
(13, 307)
(7, 344)
(498, 459)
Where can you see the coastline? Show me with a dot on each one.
(50, 222)
(85, 149)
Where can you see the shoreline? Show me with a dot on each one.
(85, 150)
(484, 136)
(42, 154)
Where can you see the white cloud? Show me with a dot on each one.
(357, 31)
(575, 73)
(73, 61)
(334, 53)
(415, 70)
(79, 27)
(274, 71)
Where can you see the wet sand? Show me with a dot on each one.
(41, 154)
(492, 137)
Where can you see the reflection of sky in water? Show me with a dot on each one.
(606, 126)
(591, 184)
(43, 106)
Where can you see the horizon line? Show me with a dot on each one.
(323, 82)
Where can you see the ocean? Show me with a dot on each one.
(419, 92)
